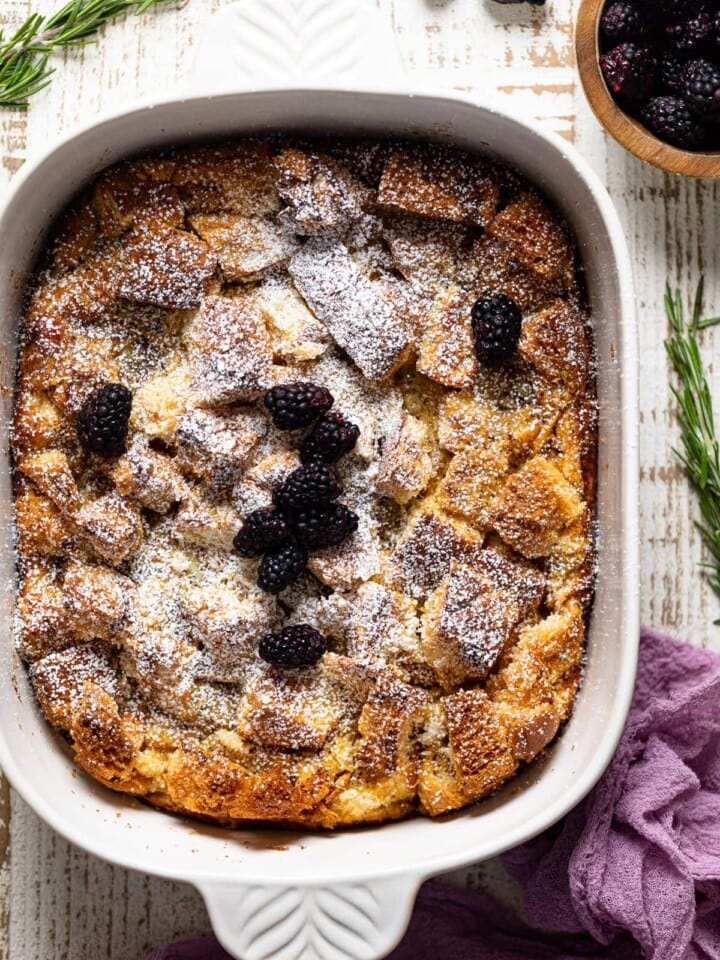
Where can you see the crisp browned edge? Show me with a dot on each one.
(588, 443)
(628, 132)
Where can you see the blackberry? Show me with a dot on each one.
(496, 323)
(315, 483)
(623, 21)
(331, 437)
(690, 33)
(671, 73)
(294, 405)
(629, 70)
(670, 119)
(702, 86)
(300, 646)
(657, 10)
(102, 424)
(262, 531)
(324, 525)
(279, 569)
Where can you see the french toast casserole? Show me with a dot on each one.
(304, 448)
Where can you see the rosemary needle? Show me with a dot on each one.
(24, 68)
(699, 448)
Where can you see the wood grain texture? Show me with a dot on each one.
(625, 129)
(65, 905)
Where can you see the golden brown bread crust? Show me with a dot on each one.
(455, 615)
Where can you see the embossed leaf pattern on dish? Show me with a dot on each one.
(289, 39)
(347, 922)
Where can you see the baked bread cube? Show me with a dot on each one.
(374, 624)
(392, 714)
(294, 710)
(296, 333)
(570, 573)
(160, 402)
(77, 237)
(387, 760)
(150, 477)
(445, 352)
(81, 368)
(323, 197)
(493, 268)
(513, 576)
(232, 178)
(59, 680)
(363, 159)
(428, 548)
(120, 199)
(481, 749)
(427, 252)
(204, 523)
(555, 342)
(41, 527)
(472, 482)
(246, 247)
(217, 446)
(535, 239)
(51, 473)
(464, 423)
(523, 696)
(437, 182)
(105, 743)
(165, 267)
(406, 463)
(97, 601)
(466, 626)
(38, 423)
(536, 505)
(360, 317)
(111, 525)
(269, 470)
(352, 562)
(230, 354)
(84, 296)
(42, 615)
(556, 642)
(228, 625)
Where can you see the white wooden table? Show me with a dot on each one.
(57, 903)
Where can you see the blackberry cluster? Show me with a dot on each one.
(299, 646)
(630, 70)
(496, 324)
(331, 438)
(102, 424)
(623, 21)
(294, 405)
(262, 532)
(304, 516)
(307, 485)
(324, 525)
(279, 569)
(661, 62)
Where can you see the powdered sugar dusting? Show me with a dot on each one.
(200, 280)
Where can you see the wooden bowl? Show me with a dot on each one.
(628, 132)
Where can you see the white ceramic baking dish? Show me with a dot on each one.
(348, 895)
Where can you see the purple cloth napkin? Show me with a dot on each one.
(632, 872)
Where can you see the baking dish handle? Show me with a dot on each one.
(259, 44)
(345, 921)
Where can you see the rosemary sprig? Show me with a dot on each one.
(24, 68)
(700, 450)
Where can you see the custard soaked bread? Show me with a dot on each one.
(304, 447)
